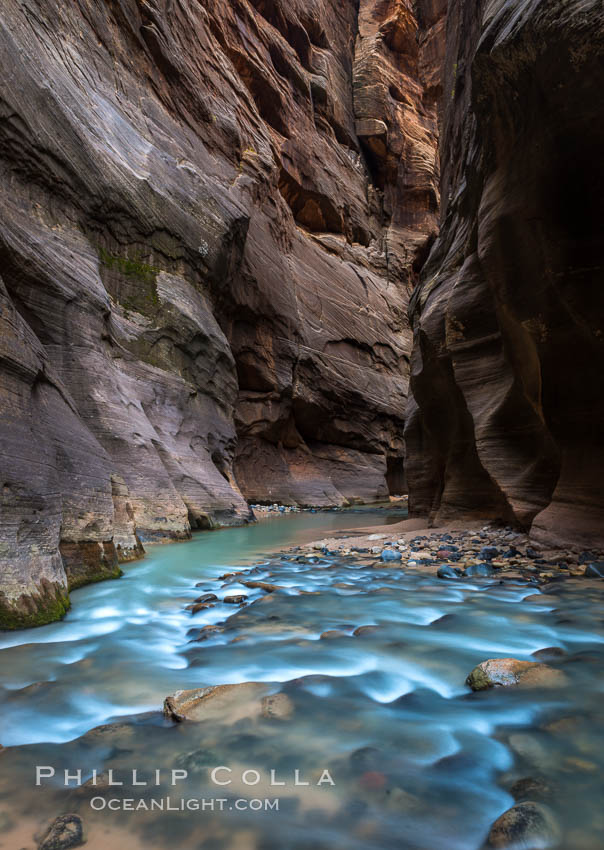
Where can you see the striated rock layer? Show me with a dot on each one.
(213, 214)
(507, 413)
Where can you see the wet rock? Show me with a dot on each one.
(365, 630)
(389, 555)
(549, 653)
(65, 831)
(207, 597)
(506, 672)
(201, 606)
(207, 632)
(528, 825)
(261, 585)
(225, 703)
(332, 634)
(237, 599)
(277, 707)
(479, 570)
(448, 572)
(529, 788)
(595, 570)
(487, 553)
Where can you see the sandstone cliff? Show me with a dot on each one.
(213, 215)
(507, 414)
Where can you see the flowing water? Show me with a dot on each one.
(407, 755)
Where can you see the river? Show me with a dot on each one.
(409, 757)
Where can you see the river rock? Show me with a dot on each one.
(65, 831)
(549, 653)
(530, 788)
(595, 570)
(526, 826)
(277, 707)
(220, 702)
(236, 599)
(201, 606)
(207, 632)
(207, 597)
(261, 585)
(365, 630)
(332, 634)
(505, 672)
(390, 555)
(448, 572)
(487, 553)
(479, 570)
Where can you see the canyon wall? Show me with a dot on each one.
(507, 410)
(213, 215)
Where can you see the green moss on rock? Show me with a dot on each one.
(138, 290)
(36, 609)
(102, 574)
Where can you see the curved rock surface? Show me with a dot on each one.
(507, 367)
(213, 217)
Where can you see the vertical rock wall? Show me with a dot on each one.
(213, 214)
(507, 413)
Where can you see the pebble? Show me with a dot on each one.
(235, 600)
(391, 555)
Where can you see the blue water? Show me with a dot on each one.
(418, 761)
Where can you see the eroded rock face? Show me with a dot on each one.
(507, 367)
(213, 216)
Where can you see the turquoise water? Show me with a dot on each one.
(119, 649)
(416, 759)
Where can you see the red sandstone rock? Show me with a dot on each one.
(213, 216)
(507, 368)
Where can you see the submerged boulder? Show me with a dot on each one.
(228, 703)
(504, 672)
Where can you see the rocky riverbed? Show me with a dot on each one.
(363, 675)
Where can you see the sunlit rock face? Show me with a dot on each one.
(507, 413)
(213, 214)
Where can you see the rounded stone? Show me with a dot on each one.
(65, 831)
(505, 672)
(527, 825)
